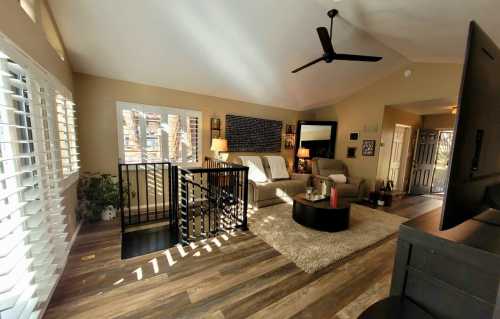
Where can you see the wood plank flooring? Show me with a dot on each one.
(236, 276)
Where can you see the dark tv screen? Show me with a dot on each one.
(475, 158)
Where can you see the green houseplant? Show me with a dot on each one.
(97, 192)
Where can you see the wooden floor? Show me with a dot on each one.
(230, 277)
(413, 206)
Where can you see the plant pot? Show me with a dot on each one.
(109, 213)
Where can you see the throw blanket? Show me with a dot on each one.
(256, 171)
(338, 178)
(277, 165)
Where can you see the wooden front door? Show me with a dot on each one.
(424, 161)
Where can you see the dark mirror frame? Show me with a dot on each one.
(333, 138)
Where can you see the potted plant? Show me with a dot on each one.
(98, 193)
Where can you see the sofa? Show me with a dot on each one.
(271, 192)
(354, 189)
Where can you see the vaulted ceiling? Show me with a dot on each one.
(245, 50)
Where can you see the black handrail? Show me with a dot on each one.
(147, 184)
(214, 199)
(202, 201)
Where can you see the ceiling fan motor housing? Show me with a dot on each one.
(332, 13)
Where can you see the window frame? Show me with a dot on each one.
(163, 110)
(52, 84)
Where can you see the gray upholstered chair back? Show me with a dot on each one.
(328, 166)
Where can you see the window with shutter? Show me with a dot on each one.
(67, 135)
(33, 237)
(154, 134)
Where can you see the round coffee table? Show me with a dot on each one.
(319, 215)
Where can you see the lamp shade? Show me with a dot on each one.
(219, 145)
(303, 152)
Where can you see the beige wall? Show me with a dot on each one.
(363, 112)
(96, 98)
(31, 38)
(391, 118)
(439, 121)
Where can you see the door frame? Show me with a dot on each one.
(404, 158)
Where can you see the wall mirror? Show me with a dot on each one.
(318, 137)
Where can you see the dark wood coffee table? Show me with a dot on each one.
(319, 215)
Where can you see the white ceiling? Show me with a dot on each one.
(423, 30)
(245, 50)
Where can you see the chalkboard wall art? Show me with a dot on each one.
(249, 134)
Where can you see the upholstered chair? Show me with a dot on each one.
(322, 168)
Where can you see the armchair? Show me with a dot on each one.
(323, 167)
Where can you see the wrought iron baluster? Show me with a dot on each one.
(129, 195)
(156, 191)
(147, 193)
(120, 186)
(163, 193)
(138, 196)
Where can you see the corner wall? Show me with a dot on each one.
(363, 111)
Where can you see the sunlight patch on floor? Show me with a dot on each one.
(193, 249)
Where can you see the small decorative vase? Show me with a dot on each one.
(333, 198)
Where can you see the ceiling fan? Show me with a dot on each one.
(329, 54)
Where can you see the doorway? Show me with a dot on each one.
(399, 156)
(430, 162)
(440, 176)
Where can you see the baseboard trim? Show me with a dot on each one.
(73, 238)
(61, 269)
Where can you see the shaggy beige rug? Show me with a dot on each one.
(312, 250)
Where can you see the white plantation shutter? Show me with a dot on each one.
(67, 134)
(156, 133)
(33, 238)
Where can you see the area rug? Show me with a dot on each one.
(312, 250)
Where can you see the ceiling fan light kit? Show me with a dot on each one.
(329, 54)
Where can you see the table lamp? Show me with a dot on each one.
(218, 145)
(303, 155)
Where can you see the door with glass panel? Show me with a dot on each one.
(440, 175)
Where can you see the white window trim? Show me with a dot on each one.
(123, 106)
(38, 71)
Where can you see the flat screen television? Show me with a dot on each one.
(474, 171)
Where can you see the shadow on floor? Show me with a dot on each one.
(145, 241)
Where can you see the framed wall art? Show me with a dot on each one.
(368, 148)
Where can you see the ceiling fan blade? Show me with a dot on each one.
(355, 57)
(308, 64)
(326, 42)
